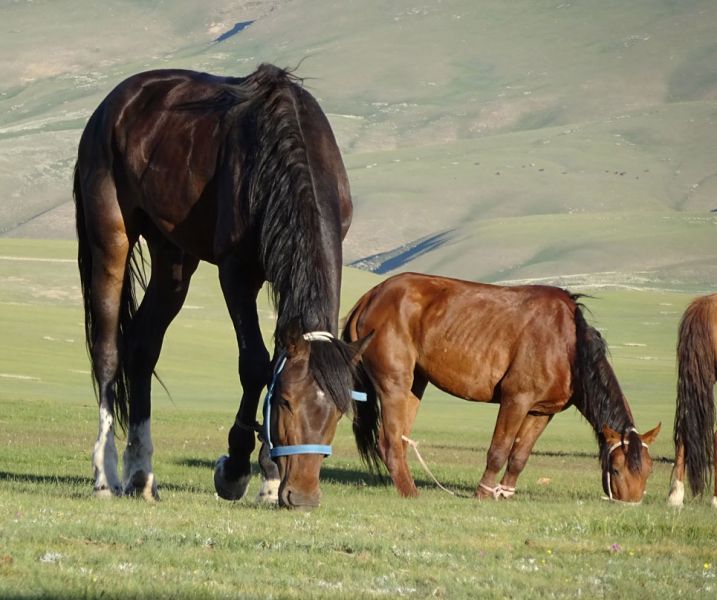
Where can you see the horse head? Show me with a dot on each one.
(627, 463)
(310, 392)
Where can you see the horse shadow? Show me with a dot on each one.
(333, 474)
(344, 475)
(79, 485)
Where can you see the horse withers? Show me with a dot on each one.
(244, 173)
(694, 434)
(527, 348)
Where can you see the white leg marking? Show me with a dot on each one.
(269, 491)
(714, 501)
(137, 462)
(104, 459)
(677, 494)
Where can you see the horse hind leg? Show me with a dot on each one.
(676, 495)
(167, 289)
(109, 261)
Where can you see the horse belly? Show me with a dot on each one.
(469, 377)
(185, 215)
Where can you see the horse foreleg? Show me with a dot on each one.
(676, 495)
(531, 429)
(398, 412)
(233, 471)
(511, 415)
(167, 289)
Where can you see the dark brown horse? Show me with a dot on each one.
(695, 435)
(527, 348)
(244, 173)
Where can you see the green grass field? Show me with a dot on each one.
(556, 538)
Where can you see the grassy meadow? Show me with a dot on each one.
(556, 538)
(480, 120)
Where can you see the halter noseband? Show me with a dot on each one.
(612, 448)
(276, 451)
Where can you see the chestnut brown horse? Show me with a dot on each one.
(527, 348)
(695, 435)
(243, 173)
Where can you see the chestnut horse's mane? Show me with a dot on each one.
(599, 397)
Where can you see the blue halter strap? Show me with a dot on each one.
(276, 451)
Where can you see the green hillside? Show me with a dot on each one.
(488, 140)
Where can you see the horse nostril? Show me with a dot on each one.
(284, 501)
(289, 498)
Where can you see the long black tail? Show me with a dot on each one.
(367, 415)
(128, 304)
(695, 413)
(599, 397)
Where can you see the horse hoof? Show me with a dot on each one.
(105, 493)
(226, 488)
(676, 496)
(269, 492)
(142, 485)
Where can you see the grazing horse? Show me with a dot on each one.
(243, 173)
(527, 348)
(695, 435)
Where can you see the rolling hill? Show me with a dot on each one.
(567, 142)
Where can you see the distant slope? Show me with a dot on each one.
(492, 140)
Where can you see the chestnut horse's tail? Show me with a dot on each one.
(367, 415)
(128, 301)
(695, 413)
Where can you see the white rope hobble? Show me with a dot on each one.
(499, 491)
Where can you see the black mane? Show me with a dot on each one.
(284, 208)
(331, 364)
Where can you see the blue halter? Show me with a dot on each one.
(276, 451)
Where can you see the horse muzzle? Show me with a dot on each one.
(292, 498)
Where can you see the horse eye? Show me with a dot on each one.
(614, 472)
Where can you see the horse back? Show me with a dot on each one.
(469, 339)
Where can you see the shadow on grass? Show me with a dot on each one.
(343, 476)
(82, 485)
(328, 473)
(44, 479)
(549, 453)
(199, 463)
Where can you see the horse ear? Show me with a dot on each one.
(650, 436)
(293, 340)
(611, 436)
(359, 347)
